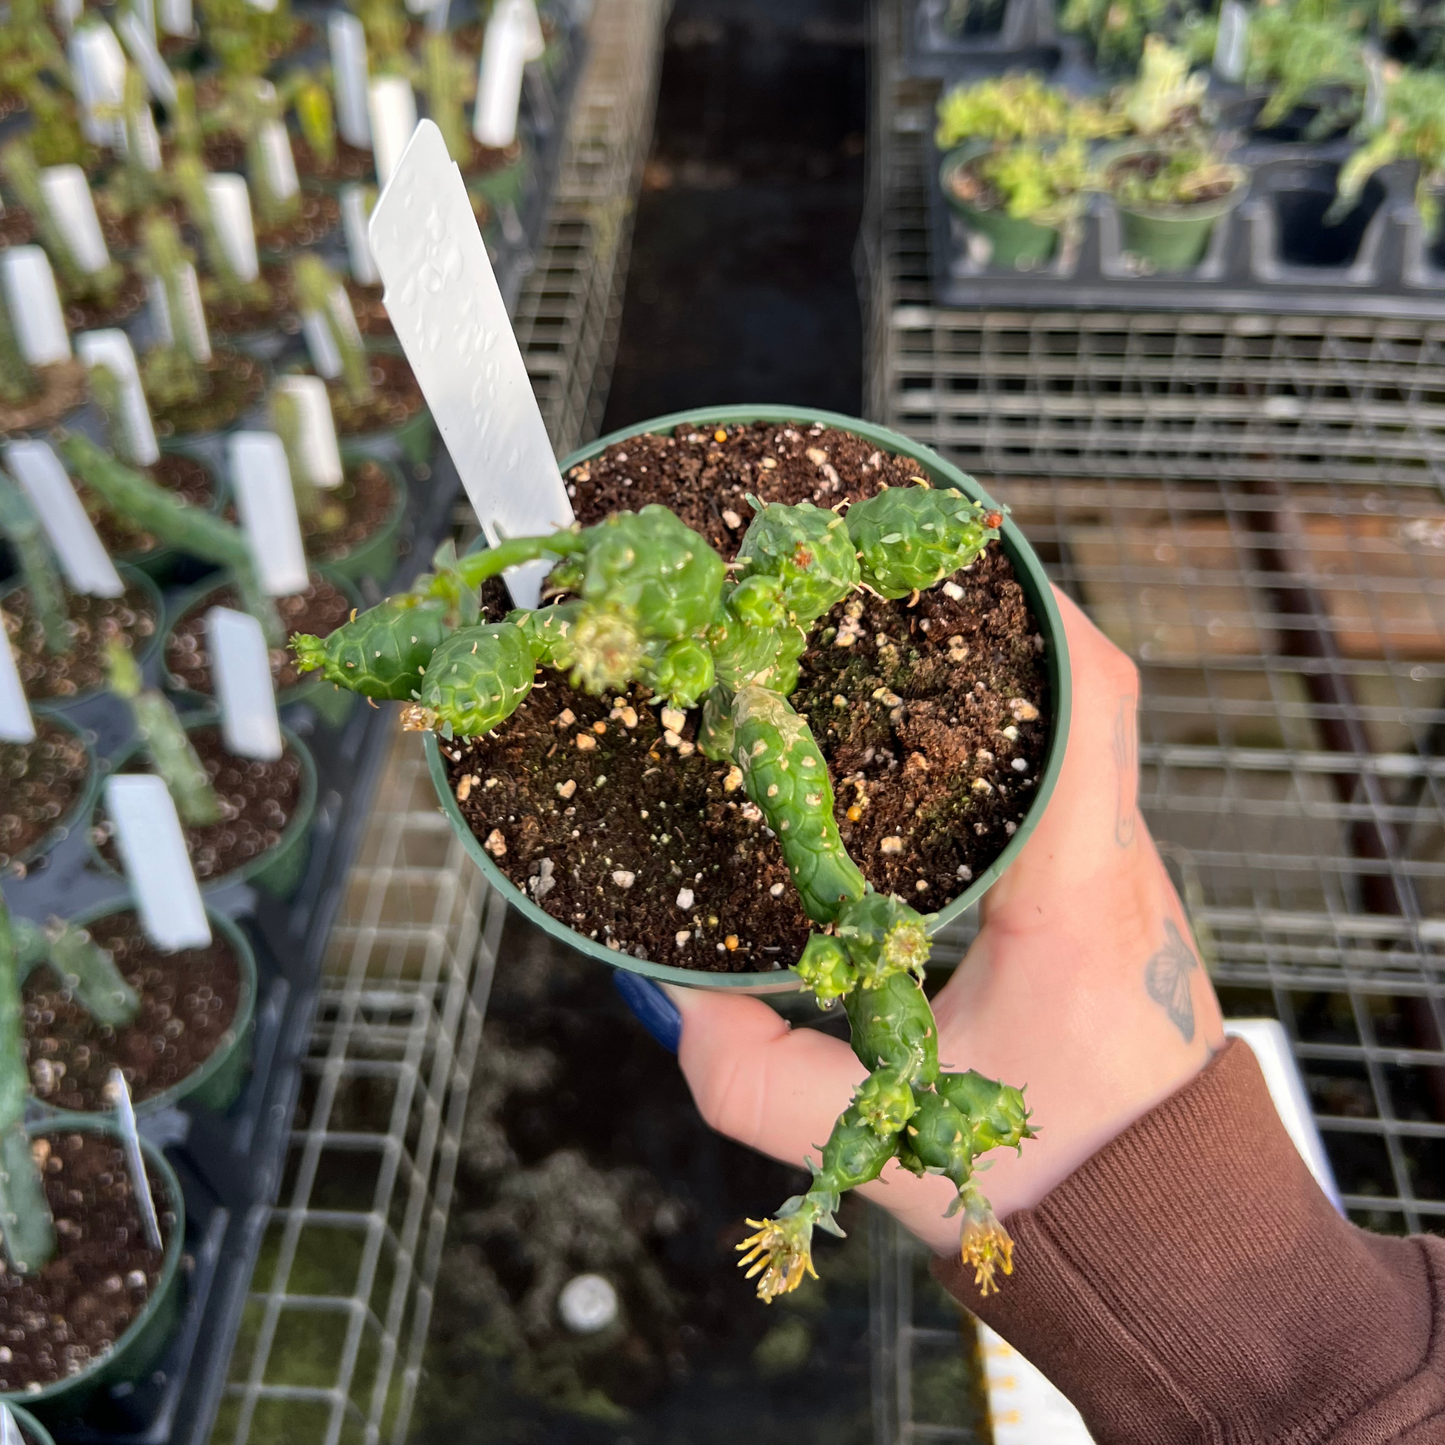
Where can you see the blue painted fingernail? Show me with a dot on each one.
(650, 1007)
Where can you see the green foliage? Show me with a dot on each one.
(33, 67)
(1018, 107)
(1173, 176)
(1117, 28)
(188, 176)
(1413, 128)
(21, 528)
(245, 38)
(1166, 96)
(170, 374)
(447, 78)
(477, 678)
(908, 538)
(18, 381)
(1304, 49)
(316, 116)
(808, 551)
(1043, 183)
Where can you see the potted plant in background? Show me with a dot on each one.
(1310, 57)
(1170, 194)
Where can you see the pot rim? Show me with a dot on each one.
(29, 1425)
(234, 1036)
(1196, 210)
(101, 1124)
(1031, 577)
(1069, 207)
(80, 810)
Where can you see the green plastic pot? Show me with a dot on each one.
(131, 576)
(80, 809)
(1016, 241)
(1032, 579)
(414, 440)
(218, 1082)
(30, 1428)
(277, 871)
(143, 1345)
(329, 703)
(1171, 238)
(374, 558)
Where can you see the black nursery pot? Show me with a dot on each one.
(1302, 197)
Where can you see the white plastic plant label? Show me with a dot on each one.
(319, 450)
(157, 865)
(355, 215)
(194, 335)
(231, 206)
(16, 723)
(34, 305)
(9, 1430)
(242, 668)
(1025, 1405)
(536, 41)
(145, 12)
(321, 344)
(66, 13)
(279, 161)
(144, 139)
(68, 198)
(499, 76)
(391, 104)
(139, 38)
(261, 480)
(421, 7)
(347, 41)
(175, 17)
(118, 1092)
(72, 535)
(1231, 42)
(112, 350)
(98, 65)
(449, 316)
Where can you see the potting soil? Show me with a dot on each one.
(92, 313)
(932, 716)
(184, 477)
(187, 1002)
(319, 214)
(233, 384)
(40, 782)
(58, 1320)
(396, 400)
(93, 622)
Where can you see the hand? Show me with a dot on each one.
(1083, 985)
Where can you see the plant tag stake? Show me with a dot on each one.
(34, 305)
(449, 316)
(98, 64)
(112, 350)
(16, 723)
(279, 161)
(1376, 87)
(347, 40)
(1231, 43)
(325, 354)
(67, 12)
(175, 17)
(143, 138)
(139, 38)
(9, 1430)
(135, 1163)
(81, 553)
(392, 106)
(267, 505)
(536, 41)
(244, 689)
(68, 198)
(231, 206)
(157, 866)
(354, 216)
(194, 334)
(318, 429)
(499, 76)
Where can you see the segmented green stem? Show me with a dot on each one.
(444, 81)
(18, 381)
(42, 579)
(317, 119)
(17, 161)
(89, 972)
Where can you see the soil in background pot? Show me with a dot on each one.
(229, 317)
(40, 782)
(63, 387)
(349, 164)
(258, 800)
(93, 622)
(187, 1002)
(933, 719)
(235, 385)
(319, 215)
(64, 1317)
(396, 400)
(351, 514)
(321, 608)
(91, 314)
(184, 477)
(371, 314)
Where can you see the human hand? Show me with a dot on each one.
(1083, 985)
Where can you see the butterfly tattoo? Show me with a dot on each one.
(1166, 976)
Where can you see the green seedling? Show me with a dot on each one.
(1306, 49)
(1019, 107)
(248, 104)
(18, 381)
(651, 602)
(1043, 183)
(21, 528)
(385, 23)
(317, 507)
(447, 81)
(1413, 127)
(188, 178)
(319, 291)
(246, 38)
(171, 373)
(1166, 96)
(33, 67)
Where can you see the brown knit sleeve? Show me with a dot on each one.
(1191, 1283)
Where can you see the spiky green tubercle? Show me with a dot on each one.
(651, 602)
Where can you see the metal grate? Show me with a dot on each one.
(1254, 508)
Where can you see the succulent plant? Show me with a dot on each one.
(1166, 96)
(1413, 127)
(1181, 174)
(1040, 182)
(21, 528)
(320, 292)
(1303, 49)
(170, 371)
(18, 381)
(652, 603)
(447, 80)
(1019, 107)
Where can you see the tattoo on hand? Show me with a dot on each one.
(1126, 760)
(1167, 977)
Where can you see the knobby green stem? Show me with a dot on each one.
(42, 578)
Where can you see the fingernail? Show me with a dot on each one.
(650, 1007)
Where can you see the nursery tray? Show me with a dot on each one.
(1010, 35)
(231, 1164)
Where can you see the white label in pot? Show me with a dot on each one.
(1231, 42)
(98, 66)
(279, 161)
(319, 451)
(157, 867)
(66, 13)
(261, 480)
(241, 665)
(140, 41)
(175, 17)
(391, 105)
(449, 316)
(34, 305)
(144, 140)
(194, 334)
(321, 344)
(68, 199)
(16, 724)
(499, 76)
(118, 1092)
(536, 41)
(347, 40)
(355, 214)
(112, 350)
(81, 553)
(230, 204)
(9, 1430)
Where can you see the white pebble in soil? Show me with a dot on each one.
(587, 1303)
(684, 899)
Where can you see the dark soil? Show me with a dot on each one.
(319, 215)
(371, 314)
(230, 317)
(396, 400)
(349, 164)
(62, 388)
(90, 314)
(351, 514)
(187, 1002)
(924, 735)
(59, 1320)
(487, 160)
(320, 609)
(17, 228)
(93, 622)
(236, 382)
(184, 477)
(258, 800)
(40, 782)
